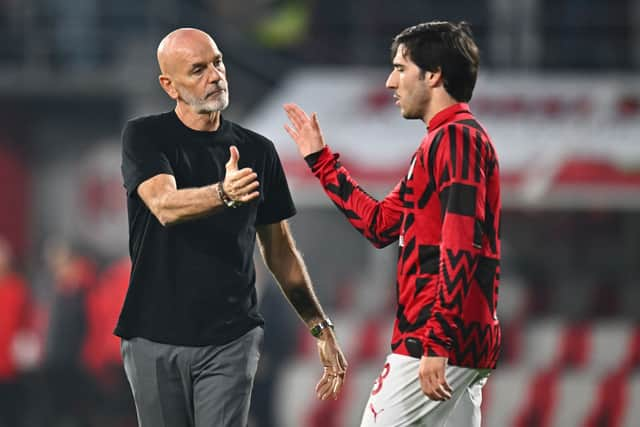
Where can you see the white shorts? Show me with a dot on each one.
(397, 400)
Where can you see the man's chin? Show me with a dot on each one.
(212, 107)
(409, 115)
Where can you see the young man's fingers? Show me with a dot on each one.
(435, 395)
(446, 386)
(299, 114)
(294, 121)
(442, 381)
(302, 113)
(434, 387)
(292, 133)
(431, 393)
(444, 392)
(295, 115)
(316, 122)
(441, 393)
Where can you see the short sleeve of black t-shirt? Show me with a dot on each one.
(141, 157)
(277, 203)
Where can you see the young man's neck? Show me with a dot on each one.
(439, 102)
(197, 121)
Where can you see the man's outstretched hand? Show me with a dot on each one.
(304, 130)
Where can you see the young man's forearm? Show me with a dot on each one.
(377, 221)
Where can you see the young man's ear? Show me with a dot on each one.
(167, 85)
(434, 78)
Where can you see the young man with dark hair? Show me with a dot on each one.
(190, 327)
(445, 214)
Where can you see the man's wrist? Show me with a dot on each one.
(313, 158)
(224, 197)
(317, 329)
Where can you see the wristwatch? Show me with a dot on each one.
(228, 201)
(316, 331)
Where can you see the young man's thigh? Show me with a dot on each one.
(397, 398)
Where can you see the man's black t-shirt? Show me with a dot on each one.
(193, 283)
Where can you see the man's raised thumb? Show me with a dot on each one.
(233, 159)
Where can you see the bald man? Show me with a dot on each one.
(199, 188)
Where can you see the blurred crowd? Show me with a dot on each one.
(60, 364)
(538, 34)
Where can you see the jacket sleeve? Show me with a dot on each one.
(458, 168)
(378, 221)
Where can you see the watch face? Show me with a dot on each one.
(316, 331)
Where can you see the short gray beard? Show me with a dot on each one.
(202, 106)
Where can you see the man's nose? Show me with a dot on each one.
(390, 83)
(214, 74)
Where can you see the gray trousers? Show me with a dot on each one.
(176, 386)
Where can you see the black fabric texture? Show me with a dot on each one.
(193, 283)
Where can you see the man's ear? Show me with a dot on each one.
(434, 78)
(167, 84)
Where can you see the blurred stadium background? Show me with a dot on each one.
(559, 92)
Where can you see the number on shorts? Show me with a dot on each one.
(377, 386)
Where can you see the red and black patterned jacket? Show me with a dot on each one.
(446, 215)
